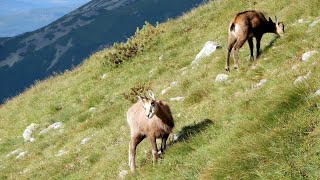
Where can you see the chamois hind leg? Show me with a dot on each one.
(154, 148)
(135, 140)
(164, 143)
(240, 41)
(250, 41)
(231, 41)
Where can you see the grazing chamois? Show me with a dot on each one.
(246, 25)
(148, 118)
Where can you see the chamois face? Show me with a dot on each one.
(150, 105)
(280, 28)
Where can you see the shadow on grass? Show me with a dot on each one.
(270, 44)
(191, 130)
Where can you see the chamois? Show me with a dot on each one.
(246, 25)
(148, 118)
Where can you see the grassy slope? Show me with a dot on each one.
(270, 133)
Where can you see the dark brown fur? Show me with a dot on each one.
(245, 26)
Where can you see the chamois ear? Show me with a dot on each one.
(152, 95)
(270, 20)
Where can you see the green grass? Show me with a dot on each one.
(231, 131)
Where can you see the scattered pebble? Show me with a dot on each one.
(179, 98)
(28, 131)
(84, 141)
(123, 174)
(314, 23)
(207, 50)
(60, 153)
(93, 109)
(317, 93)
(260, 84)
(55, 125)
(104, 76)
(306, 56)
(221, 78)
(302, 78)
(21, 155)
(15, 152)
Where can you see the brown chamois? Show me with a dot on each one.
(148, 118)
(246, 25)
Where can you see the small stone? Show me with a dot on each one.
(84, 141)
(21, 155)
(221, 78)
(317, 93)
(15, 152)
(93, 109)
(60, 153)
(161, 57)
(207, 50)
(260, 84)
(314, 23)
(300, 21)
(306, 56)
(302, 78)
(55, 125)
(179, 98)
(104, 76)
(28, 131)
(123, 174)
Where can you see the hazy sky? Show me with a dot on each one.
(19, 16)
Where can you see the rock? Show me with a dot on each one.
(161, 57)
(306, 56)
(84, 141)
(295, 67)
(221, 78)
(28, 131)
(15, 152)
(55, 125)
(179, 98)
(93, 109)
(314, 23)
(21, 155)
(123, 174)
(300, 21)
(301, 78)
(184, 71)
(165, 90)
(207, 50)
(104, 76)
(174, 83)
(60, 153)
(260, 84)
(317, 93)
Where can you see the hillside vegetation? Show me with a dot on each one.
(229, 130)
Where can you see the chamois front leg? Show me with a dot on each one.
(135, 140)
(258, 39)
(250, 41)
(154, 149)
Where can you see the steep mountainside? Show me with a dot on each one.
(68, 41)
(260, 122)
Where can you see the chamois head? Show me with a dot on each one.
(279, 29)
(150, 105)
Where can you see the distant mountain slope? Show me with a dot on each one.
(68, 41)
